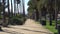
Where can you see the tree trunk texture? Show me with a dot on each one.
(50, 18)
(11, 9)
(4, 17)
(14, 7)
(23, 10)
(37, 15)
(9, 16)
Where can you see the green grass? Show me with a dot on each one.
(51, 28)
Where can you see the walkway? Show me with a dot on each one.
(30, 27)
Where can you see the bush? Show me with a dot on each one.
(16, 21)
(0, 17)
(58, 22)
(43, 22)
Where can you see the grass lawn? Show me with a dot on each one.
(51, 28)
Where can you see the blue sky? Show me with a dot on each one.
(26, 6)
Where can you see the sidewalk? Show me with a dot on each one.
(30, 27)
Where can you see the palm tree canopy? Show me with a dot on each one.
(18, 1)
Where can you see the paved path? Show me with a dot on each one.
(30, 27)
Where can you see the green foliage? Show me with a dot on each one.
(36, 4)
(40, 3)
(19, 15)
(51, 28)
(16, 21)
(58, 22)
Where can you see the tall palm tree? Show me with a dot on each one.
(11, 9)
(23, 9)
(8, 12)
(36, 9)
(18, 2)
(0, 13)
(4, 18)
(56, 13)
(43, 14)
(14, 7)
(50, 10)
(1, 7)
(33, 5)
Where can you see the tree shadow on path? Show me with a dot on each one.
(11, 32)
(31, 30)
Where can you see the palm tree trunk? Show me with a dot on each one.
(4, 18)
(17, 7)
(0, 24)
(11, 9)
(53, 15)
(14, 7)
(8, 13)
(18, 2)
(37, 15)
(23, 9)
(50, 19)
(56, 13)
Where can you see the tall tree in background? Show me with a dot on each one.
(36, 9)
(9, 16)
(4, 18)
(1, 9)
(33, 5)
(14, 7)
(23, 9)
(11, 9)
(18, 2)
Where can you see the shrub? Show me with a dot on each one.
(58, 22)
(16, 21)
(0, 17)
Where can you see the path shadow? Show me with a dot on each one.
(11, 32)
(1, 30)
(31, 30)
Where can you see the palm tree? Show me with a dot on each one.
(4, 18)
(33, 7)
(23, 9)
(14, 7)
(11, 9)
(18, 2)
(1, 7)
(56, 13)
(0, 13)
(8, 12)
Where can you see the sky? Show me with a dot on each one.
(26, 6)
